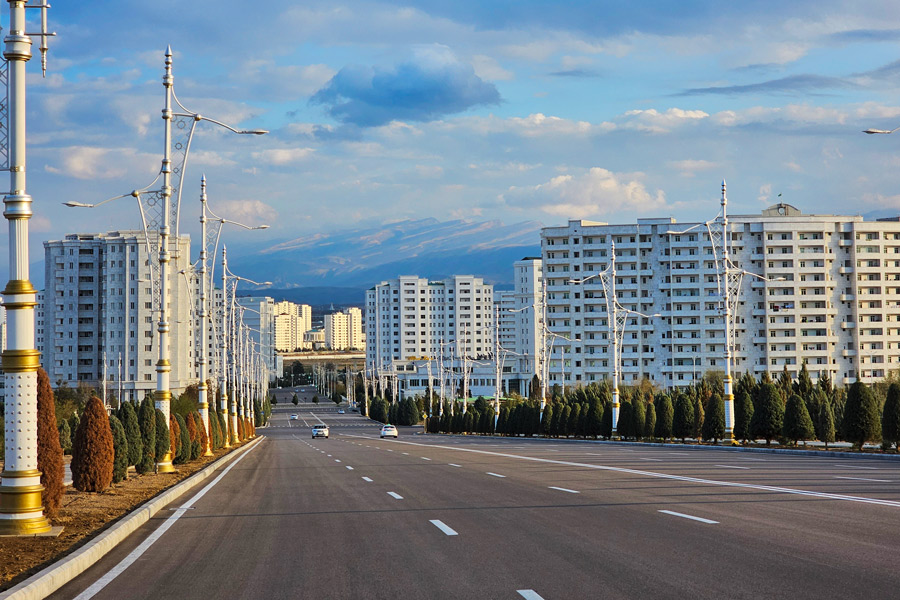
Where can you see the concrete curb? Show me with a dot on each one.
(42, 584)
(693, 447)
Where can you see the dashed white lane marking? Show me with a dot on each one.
(395, 495)
(349, 468)
(863, 479)
(329, 456)
(454, 465)
(857, 467)
(750, 458)
(562, 489)
(730, 467)
(424, 458)
(529, 594)
(337, 460)
(685, 478)
(367, 479)
(145, 545)
(405, 453)
(389, 450)
(653, 459)
(440, 525)
(495, 474)
(691, 517)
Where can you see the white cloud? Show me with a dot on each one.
(689, 167)
(282, 156)
(653, 121)
(489, 69)
(83, 162)
(248, 212)
(765, 193)
(596, 192)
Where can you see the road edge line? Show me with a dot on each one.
(45, 582)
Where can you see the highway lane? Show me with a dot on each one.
(292, 520)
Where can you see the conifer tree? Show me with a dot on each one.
(804, 385)
(92, 450)
(699, 415)
(890, 417)
(129, 420)
(714, 419)
(785, 385)
(65, 437)
(120, 449)
(606, 425)
(184, 442)
(175, 439)
(546, 420)
(564, 417)
(683, 417)
(743, 414)
(572, 421)
(650, 420)
(664, 415)
(147, 421)
(768, 413)
(624, 424)
(826, 423)
(195, 429)
(638, 417)
(595, 419)
(862, 419)
(49, 452)
(797, 423)
(163, 435)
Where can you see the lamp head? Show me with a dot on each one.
(871, 131)
(254, 131)
(76, 204)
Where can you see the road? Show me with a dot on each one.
(455, 517)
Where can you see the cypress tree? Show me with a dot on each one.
(65, 437)
(768, 414)
(595, 419)
(743, 414)
(606, 425)
(714, 420)
(73, 424)
(129, 420)
(92, 451)
(664, 415)
(49, 451)
(572, 421)
(120, 449)
(624, 424)
(468, 421)
(223, 429)
(826, 423)
(163, 436)
(185, 445)
(195, 429)
(213, 434)
(546, 420)
(564, 417)
(650, 420)
(804, 384)
(699, 415)
(638, 417)
(785, 385)
(555, 429)
(890, 417)
(175, 440)
(862, 419)
(683, 417)
(147, 421)
(797, 423)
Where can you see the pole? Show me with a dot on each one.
(726, 268)
(612, 303)
(203, 388)
(21, 511)
(223, 351)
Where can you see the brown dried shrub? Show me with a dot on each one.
(92, 451)
(50, 454)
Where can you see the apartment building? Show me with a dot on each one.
(96, 322)
(258, 314)
(292, 321)
(343, 330)
(825, 291)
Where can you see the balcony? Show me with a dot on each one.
(848, 324)
(848, 297)
(848, 353)
(846, 270)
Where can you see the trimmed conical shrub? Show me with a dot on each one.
(743, 414)
(768, 413)
(184, 441)
(649, 420)
(683, 418)
(92, 451)
(797, 423)
(129, 419)
(664, 416)
(890, 416)
(175, 439)
(624, 423)
(65, 437)
(49, 451)
(201, 434)
(193, 435)
(714, 419)
(147, 422)
(638, 417)
(862, 419)
(699, 416)
(163, 436)
(826, 423)
(120, 449)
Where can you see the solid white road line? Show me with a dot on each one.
(440, 525)
(145, 545)
(691, 517)
(395, 495)
(863, 479)
(553, 487)
(367, 479)
(529, 594)
(699, 480)
(857, 467)
(730, 467)
(495, 474)
(349, 468)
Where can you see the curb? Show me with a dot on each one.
(45, 582)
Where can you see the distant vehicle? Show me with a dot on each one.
(320, 431)
(340, 411)
(388, 430)
(293, 417)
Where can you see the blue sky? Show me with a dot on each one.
(510, 110)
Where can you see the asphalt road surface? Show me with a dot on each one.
(459, 517)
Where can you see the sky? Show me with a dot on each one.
(514, 110)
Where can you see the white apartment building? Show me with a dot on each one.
(259, 315)
(292, 321)
(98, 305)
(831, 297)
(343, 330)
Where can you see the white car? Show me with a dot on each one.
(341, 411)
(293, 417)
(320, 431)
(388, 431)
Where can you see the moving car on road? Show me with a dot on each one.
(388, 431)
(293, 417)
(320, 431)
(340, 411)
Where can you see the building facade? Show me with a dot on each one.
(825, 290)
(343, 330)
(292, 321)
(259, 316)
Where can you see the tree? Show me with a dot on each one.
(163, 442)
(862, 419)
(215, 434)
(120, 449)
(638, 417)
(186, 445)
(147, 421)
(315, 399)
(714, 420)
(572, 420)
(683, 418)
(785, 385)
(624, 424)
(378, 411)
(92, 451)
(175, 440)
(409, 412)
(534, 391)
(797, 423)
(595, 419)
(295, 400)
(546, 420)
(129, 420)
(650, 420)
(606, 425)
(890, 417)
(664, 415)
(804, 385)
(49, 451)
(768, 413)
(826, 423)
(65, 437)
(195, 428)
(699, 416)
(743, 413)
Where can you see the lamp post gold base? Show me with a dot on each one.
(165, 465)
(26, 527)
(21, 510)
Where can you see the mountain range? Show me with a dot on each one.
(342, 265)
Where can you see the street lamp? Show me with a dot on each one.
(616, 319)
(871, 131)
